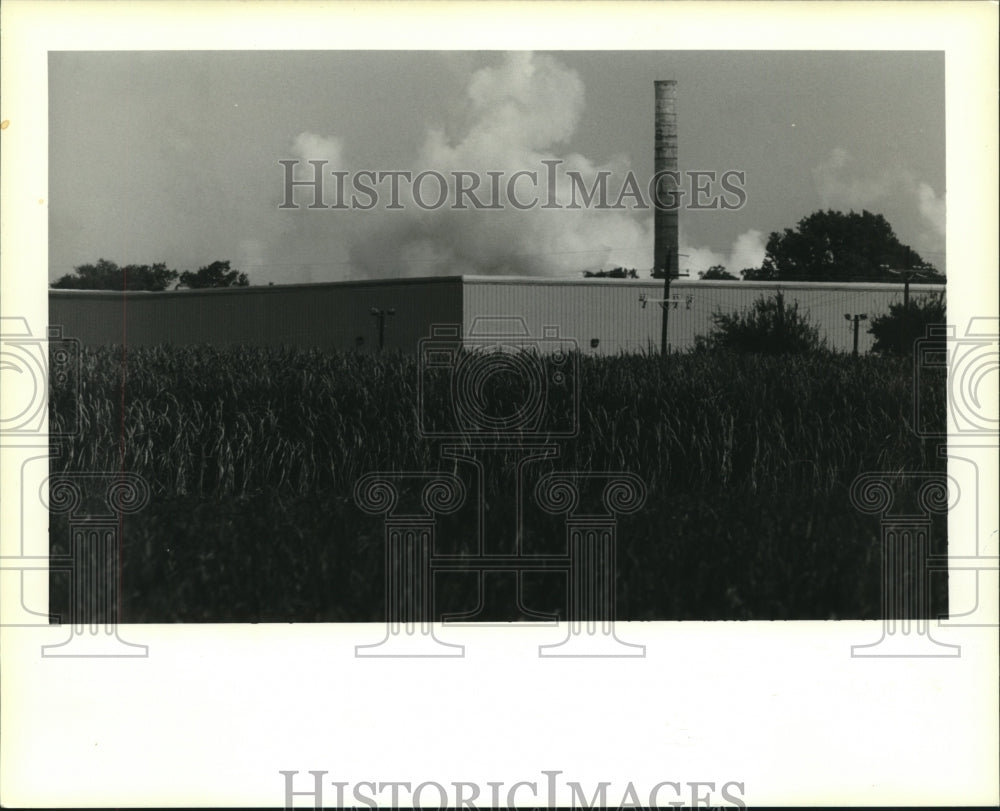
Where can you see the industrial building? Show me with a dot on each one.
(603, 316)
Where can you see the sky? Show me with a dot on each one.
(174, 156)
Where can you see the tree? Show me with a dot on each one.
(106, 275)
(217, 274)
(833, 246)
(768, 327)
(716, 272)
(896, 331)
(758, 275)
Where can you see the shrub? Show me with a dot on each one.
(716, 273)
(769, 327)
(895, 332)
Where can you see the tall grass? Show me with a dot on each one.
(215, 422)
(252, 455)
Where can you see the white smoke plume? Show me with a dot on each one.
(521, 111)
(520, 114)
(747, 251)
(309, 245)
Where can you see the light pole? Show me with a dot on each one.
(380, 315)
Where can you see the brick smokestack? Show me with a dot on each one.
(665, 235)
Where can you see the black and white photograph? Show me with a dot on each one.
(499, 274)
(377, 358)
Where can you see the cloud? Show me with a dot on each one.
(911, 205)
(841, 184)
(308, 146)
(932, 208)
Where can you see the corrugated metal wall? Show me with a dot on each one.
(605, 310)
(337, 315)
(328, 316)
(609, 311)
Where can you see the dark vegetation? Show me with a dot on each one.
(828, 246)
(614, 273)
(107, 275)
(905, 323)
(770, 326)
(717, 273)
(834, 246)
(252, 455)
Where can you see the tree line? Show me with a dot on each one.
(828, 246)
(107, 275)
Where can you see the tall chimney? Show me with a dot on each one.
(665, 236)
(665, 160)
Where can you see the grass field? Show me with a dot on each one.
(252, 456)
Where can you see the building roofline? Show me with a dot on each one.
(700, 283)
(505, 280)
(259, 288)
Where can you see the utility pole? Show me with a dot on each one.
(907, 275)
(857, 319)
(380, 315)
(665, 308)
